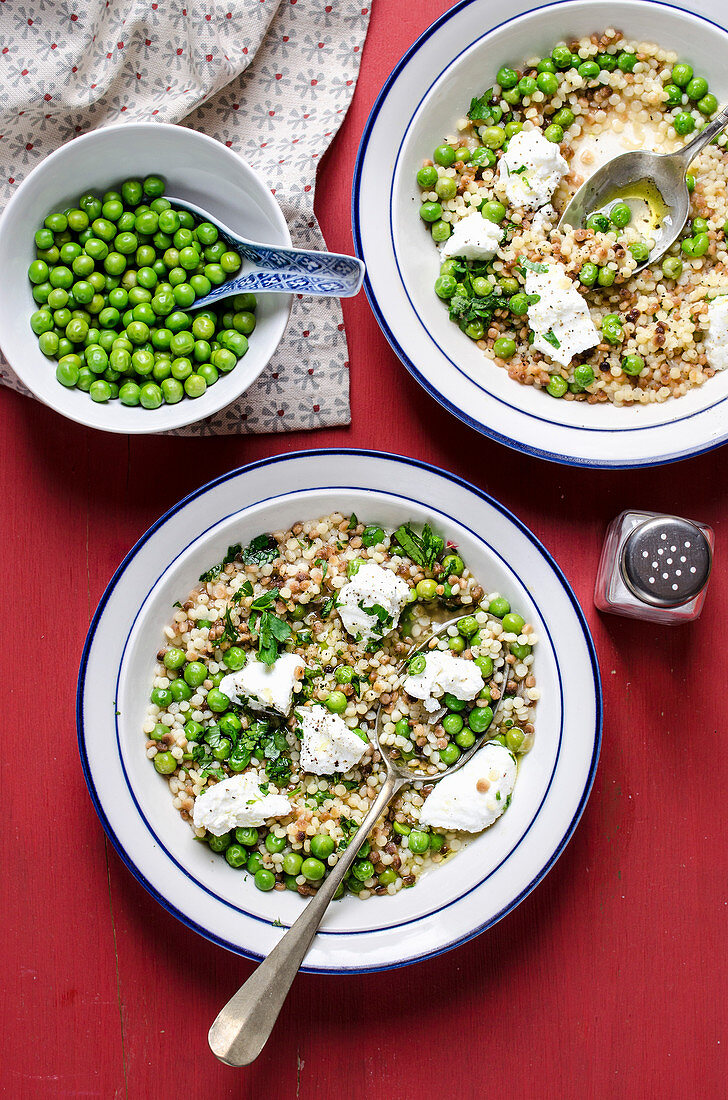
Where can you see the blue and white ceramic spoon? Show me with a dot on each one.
(277, 270)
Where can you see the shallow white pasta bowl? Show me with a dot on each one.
(455, 59)
(449, 904)
(196, 168)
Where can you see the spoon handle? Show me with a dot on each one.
(319, 280)
(689, 152)
(241, 1029)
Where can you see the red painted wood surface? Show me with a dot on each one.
(609, 980)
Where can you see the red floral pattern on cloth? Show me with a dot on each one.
(271, 79)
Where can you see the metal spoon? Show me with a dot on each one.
(242, 1028)
(665, 172)
(281, 270)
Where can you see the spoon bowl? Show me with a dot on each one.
(664, 173)
(278, 270)
(241, 1029)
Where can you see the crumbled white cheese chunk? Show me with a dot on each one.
(265, 687)
(474, 796)
(443, 672)
(237, 802)
(473, 238)
(327, 744)
(530, 169)
(560, 319)
(715, 343)
(370, 604)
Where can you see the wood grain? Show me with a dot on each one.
(608, 981)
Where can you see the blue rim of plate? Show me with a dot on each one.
(461, 414)
(333, 452)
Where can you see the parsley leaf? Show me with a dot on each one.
(231, 631)
(261, 551)
(323, 566)
(424, 549)
(272, 632)
(524, 265)
(480, 108)
(246, 589)
(353, 522)
(551, 338)
(214, 572)
(327, 607)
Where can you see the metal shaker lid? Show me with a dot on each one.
(666, 561)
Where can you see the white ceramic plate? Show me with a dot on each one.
(196, 168)
(456, 58)
(451, 903)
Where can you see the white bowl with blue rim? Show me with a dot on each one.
(450, 903)
(195, 167)
(455, 59)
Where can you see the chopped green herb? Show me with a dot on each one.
(261, 551)
(551, 338)
(524, 264)
(214, 572)
(424, 549)
(480, 107)
(353, 522)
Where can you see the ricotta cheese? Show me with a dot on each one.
(265, 687)
(560, 319)
(716, 340)
(473, 238)
(328, 745)
(237, 802)
(370, 604)
(444, 672)
(530, 169)
(473, 797)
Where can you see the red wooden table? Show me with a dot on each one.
(609, 980)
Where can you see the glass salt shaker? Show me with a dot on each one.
(654, 567)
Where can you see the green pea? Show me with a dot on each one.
(507, 78)
(427, 589)
(444, 155)
(254, 864)
(482, 157)
(418, 842)
(446, 188)
(452, 702)
(196, 385)
(606, 276)
(527, 86)
(236, 855)
(337, 702)
(682, 74)
(67, 371)
(465, 740)
(264, 879)
(100, 391)
(230, 725)
(499, 607)
(588, 70)
(217, 701)
(467, 626)
(292, 863)
(274, 843)
(701, 244)
(518, 304)
(557, 386)
(633, 364)
(493, 211)
(546, 65)
(165, 763)
(195, 673)
(494, 137)
(313, 870)
(548, 83)
(387, 877)
(583, 377)
(561, 56)
(48, 343)
(554, 133)
(514, 739)
(563, 118)
(234, 658)
(672, 267)
(449, 755)
(247, 837)
(620, 215)
(612, 328)
(475, 330)
(696, 88)
(480, 718)
(520, 651)
(430, 211)
(708, 105)
(640, 250)
(626, 61)
(322, 846)
(588, 273)
(452, 724)
(427, 177)
(440, 231)
(180, 690)
(504, 347)
(445, 286)
(684, 123)
(456, 644)
(218, 843)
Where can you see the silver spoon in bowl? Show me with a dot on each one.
(663, 172)
(241, 1029)
(279, 270)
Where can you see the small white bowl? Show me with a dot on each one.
(451, 903)
(455, 59)
(195, 167)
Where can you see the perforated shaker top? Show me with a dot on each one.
(666, 561)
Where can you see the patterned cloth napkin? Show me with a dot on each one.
(272, 79)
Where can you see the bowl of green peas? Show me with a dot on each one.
(102, 273)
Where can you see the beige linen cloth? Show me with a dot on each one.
(271, 79)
